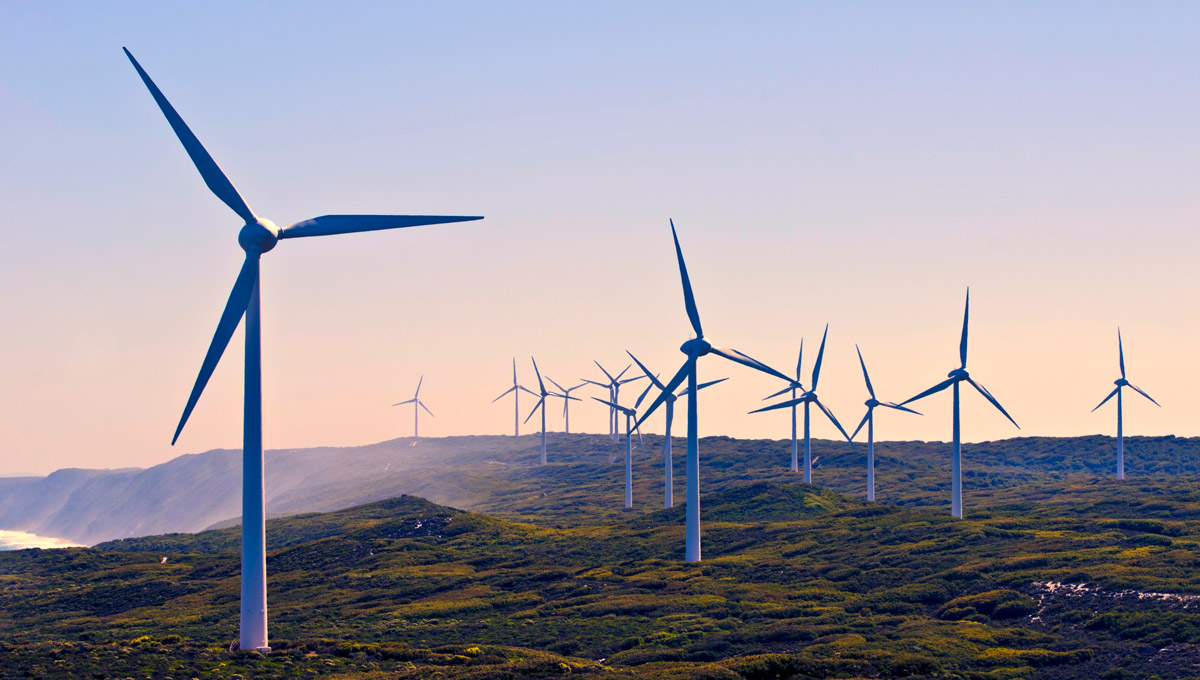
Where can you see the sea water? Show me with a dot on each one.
(19, 540)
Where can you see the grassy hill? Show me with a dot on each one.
(1054, 573)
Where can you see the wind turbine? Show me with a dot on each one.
(955, 377)
(542, 405)
(808, 398)
(668, 482)
(1122, 382)
(416, 401)
(793, 385)
(567, 398)
(694, 349)
(869, 421)
(614, 394)
(630, 414)
(259, 235)
(516, 390)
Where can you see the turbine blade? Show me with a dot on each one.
(239, 298)
(738, 357)
(783, 391)
(710, 383)
(513, 388)
(898, 407)
(862, 422)
(629, 380)
(642, 396)
(328, 225)
(829, 414)
(526, 389)
(402, 403)
(567, 396)
(820, 356)
(1139, 391)
(422, 405)
(593, 382)
(988, 395)
(216, 180)
(618, 378)
(624, 410)
(669, 388)
(514, 371)
(932, 390)
(962, 344)
(541, 384)
(653, 378)
(1110, 396)
(641, 442)
(419, 386)
(782, 404)
(799, 359)
(535, 408)
(560, 387)
(689, 300)
(864, 368)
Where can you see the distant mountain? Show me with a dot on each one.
(498, 475)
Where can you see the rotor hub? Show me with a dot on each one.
(959, 373)
(1121, 382)
(261, 234)
(872, 402)
(697, 346)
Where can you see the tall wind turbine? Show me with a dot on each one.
(567, 399)
(416, 401)
(614, 393)
(869, 421)
(542, 405)
(668, 482)
(794, 385)
(259, 235)
(516, 390)
(1122, 382)
(630, 414)
(955, 377)
(809, 398)
(694, 349)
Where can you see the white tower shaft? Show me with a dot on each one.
(692, 542)
(254, 526)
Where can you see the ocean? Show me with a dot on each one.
(19, 540)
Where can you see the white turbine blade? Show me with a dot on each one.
(738, 357)
(785, 390)
(710, 383)
(829, 414)
(511, 389)
(535, 408)
(799, 359)
(328, 225)
(864, 368)
(560, 387)
(782, 404)
(402, 403)
(932, 390)
(898, 407)
(216, 180)
(820, 357)
(623, 372)
(567, 396)
(1110, 396)
(622, 409)
(641, 442)
(653, 378)
(962, 344)
(629, 380)
(422, 405)
(527, 390)
(1121, 352)
(582, 384)
(418, 393)
(988, 395)
(689, 300)
(593, 382)
(642, 396)
(235, 307)
(514, 371)
(1139, 391)
(541, 384)
(606, 373)
(862, 422)
(669, 388)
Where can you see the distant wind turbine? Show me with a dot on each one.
(416, 401)
(542, 405)
(516, 390)
(694, 349)
(1122, 382)
(668, 482)
(794, 385)
(869, 421)
(567, 399)
(614, 395)
(259, 235)
(955, 377)
(808, 398)
(630, 414)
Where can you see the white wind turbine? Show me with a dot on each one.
(869, 421)
(694, 349)
(516, 390)
(1122, 382)
(630, 414)
(808, 398)
(960, 375)
(794, 385)
(614, 395)
(259, 235)
(542, 405)
(668, 482)
(416, 401)
(567, 399)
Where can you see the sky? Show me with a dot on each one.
(856, 164)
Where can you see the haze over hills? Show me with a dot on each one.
(498, 475)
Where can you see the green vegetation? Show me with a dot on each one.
(1069, 576)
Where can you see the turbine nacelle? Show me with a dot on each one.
(872, 402)
(1121, 382)
(261, 234)
(959, 374)
(696, 346)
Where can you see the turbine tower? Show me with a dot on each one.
(960, 375)
(416, 401)
(567, 399)
(542, 405)
(668, 482)
(259, 235)
(630, 414)
(516, 391)
(869, 421)
(1122, 382)
(809, 398)
(793, 385)
(694, 349)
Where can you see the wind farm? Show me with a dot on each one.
(832, 169)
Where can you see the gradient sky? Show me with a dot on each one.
(859, 164)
